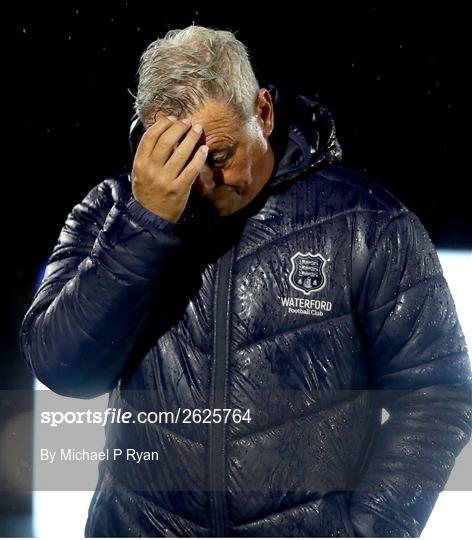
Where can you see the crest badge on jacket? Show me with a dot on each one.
(307, 273)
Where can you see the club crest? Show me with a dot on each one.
(308, 272)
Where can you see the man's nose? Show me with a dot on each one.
(206, 180)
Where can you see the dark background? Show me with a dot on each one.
(389, 73)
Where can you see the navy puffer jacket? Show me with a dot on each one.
(315, 306)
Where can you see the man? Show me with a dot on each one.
(240, 267)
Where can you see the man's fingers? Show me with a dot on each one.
(152, 135)
(183, 152)
(191, 171)
(167, 141)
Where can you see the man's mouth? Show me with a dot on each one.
(222, 191)
(237, 189)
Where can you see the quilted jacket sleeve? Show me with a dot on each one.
(417, 356)
(102, 276)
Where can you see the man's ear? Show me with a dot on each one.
(264, 111)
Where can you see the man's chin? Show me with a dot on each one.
(226, 203)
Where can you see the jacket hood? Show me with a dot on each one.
(304, 136)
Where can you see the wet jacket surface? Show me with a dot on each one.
(315, 306)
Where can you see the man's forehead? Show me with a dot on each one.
(221, 124)
(223, 127)
(212, 110)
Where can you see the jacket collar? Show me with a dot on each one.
(304, 136)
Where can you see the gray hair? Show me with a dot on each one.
(186, 67)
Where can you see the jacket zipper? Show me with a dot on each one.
(218, 395)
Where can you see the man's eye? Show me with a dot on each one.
(217, 160)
